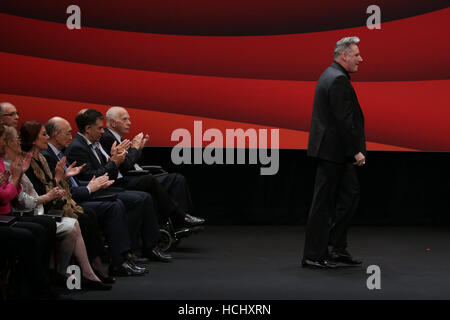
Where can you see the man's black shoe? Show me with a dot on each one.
(157, 255)
(318, 264)
(191, 221)
(139, 267)
(126, 269)
(343, 258)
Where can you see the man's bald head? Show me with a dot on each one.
(118, 119)
(8, 114)
(81, 111)
(55, 124)
(59, 131)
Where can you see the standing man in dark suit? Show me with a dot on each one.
(118, 125)
(337, 142)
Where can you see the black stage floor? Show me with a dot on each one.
(263, 263)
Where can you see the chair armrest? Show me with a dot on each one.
(154, 169)
(136, 172)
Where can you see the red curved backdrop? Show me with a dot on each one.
(245, 76)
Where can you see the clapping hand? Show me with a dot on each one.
(124, 145)
(26, 162)
(99, 183)
(137, 141)
(59, 169)
(144, 142)
(55, 193)
(118, 154)
(16, 169)
(72, 171)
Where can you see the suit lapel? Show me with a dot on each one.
(89, 151)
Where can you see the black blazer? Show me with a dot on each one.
(337, 124)
(132, 156)
(80, 193)
(81, 152)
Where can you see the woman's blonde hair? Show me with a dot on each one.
(10, 133)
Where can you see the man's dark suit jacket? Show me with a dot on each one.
(81, 152)
(133, 154)
(80, 193)
(337, 124)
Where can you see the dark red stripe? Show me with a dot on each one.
(220, 17)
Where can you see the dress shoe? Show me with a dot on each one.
(157, 255)
(190, 221)
(126, 269)
(318, 264)
(343, 257)
(87, 284)
(193, 221)
(139, 267)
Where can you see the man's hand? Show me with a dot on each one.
(117, 155)
(117, 148)
(137, 141)
(59, 169)
(144, 142)
(360, 159)
(101, 182)
(72, 171)
(124, 145)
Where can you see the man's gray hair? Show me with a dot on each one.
(344, 44)
(51, 126)
(111, 114)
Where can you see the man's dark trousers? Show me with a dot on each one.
(335, 200)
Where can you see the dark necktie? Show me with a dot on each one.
(99, 154)
(71, 179)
